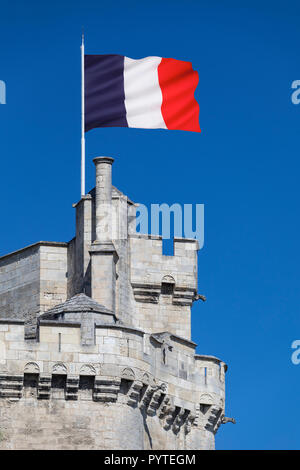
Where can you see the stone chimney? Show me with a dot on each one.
(103, 253)
(103, 198)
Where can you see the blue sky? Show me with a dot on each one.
(244, 167)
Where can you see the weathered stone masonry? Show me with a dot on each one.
(95, 340)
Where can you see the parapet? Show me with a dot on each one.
(99, 330)
(150, 269)
(107, 260)
(154, 375)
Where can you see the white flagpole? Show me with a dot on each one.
(82, 121)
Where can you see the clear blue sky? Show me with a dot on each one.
(244, 167)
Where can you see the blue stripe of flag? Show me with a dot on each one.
(104, 91)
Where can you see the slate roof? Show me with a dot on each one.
(78, 303)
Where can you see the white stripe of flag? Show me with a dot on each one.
(143, 95)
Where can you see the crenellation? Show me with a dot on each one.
(99, 330)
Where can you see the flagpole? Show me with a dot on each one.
(82, 120)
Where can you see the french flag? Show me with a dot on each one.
(149, 93)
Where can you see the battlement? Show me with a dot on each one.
(120, 268)
(152, 375)
(151, 267)
(98, 330)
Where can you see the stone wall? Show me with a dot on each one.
(69, 425)
(118, 373)
(124, 296)
(33, 279)
(145, 288)
(20, 283)
(53, 275)
(73, 425)
(128, 390)
(164, 287)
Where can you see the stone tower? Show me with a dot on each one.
(95, 338)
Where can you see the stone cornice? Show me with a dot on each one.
(143, 392)
(203, 357)
(150, 293)
(12, 321)
(146, 236)
(166, 335)
(59, 323)
(34, 245)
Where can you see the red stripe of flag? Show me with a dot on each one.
(178, 82)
